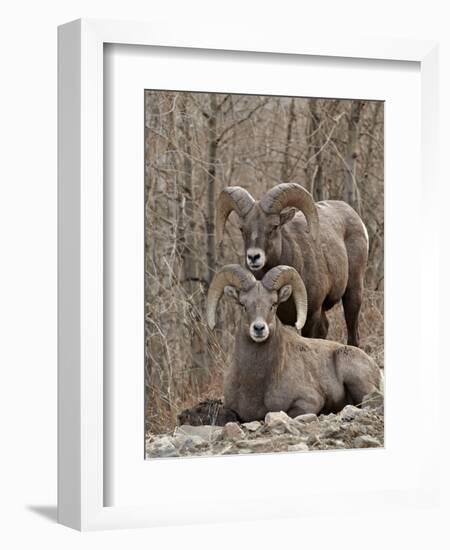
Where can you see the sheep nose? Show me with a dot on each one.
(258, 327)
(253, 257)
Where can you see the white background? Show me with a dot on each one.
(28, 269)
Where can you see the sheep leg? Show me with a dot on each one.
(316, 325)
(323, 328)
(352, 301)
(357, 250)
(304, 405)
(359, 373)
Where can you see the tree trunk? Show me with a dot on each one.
(285, 167)
(375, 269)
(192, 280)
(351, 191)
(191, 275)
(211, 187)
(315, 170)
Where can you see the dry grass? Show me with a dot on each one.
(162, 409)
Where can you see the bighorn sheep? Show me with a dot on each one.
(275, 368)
(326, 242)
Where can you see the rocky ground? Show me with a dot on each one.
(353, 427)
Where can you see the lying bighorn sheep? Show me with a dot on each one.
(326, 242)
(275, 368)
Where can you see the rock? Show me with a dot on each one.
(292, 428)
(162, 448)
(280, 422)
(298, 447)
(252, 426)
(365, 441)
(364, 425)
(306, 418)
(287, 439)
(226, 450)
(373, 400)
(332, 444)
(186, 443)
(179, 440)
(326, 417)
(232, 432)
(312, 440)
(207, 433)
(275, 418)
(256, 445)
(361, 429)
(350, 412)
(337, 444)
(332, 432)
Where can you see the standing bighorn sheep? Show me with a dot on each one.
(326, 242)
(275, 368)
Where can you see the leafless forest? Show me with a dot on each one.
(195, 145)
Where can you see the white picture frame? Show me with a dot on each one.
(81, 406)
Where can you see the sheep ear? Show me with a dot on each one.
(231, 292)
(287, 215)
(284, 293)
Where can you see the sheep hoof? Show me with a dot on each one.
(232, 432)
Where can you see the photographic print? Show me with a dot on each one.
(264, 274)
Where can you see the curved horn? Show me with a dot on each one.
(231, 198)
(292, 194)
(284, 275)
(234, 275)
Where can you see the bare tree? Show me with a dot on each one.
(211, 184)
(350, 192)
(285, 167)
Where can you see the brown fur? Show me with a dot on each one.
(332, 267)
(287, 372)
